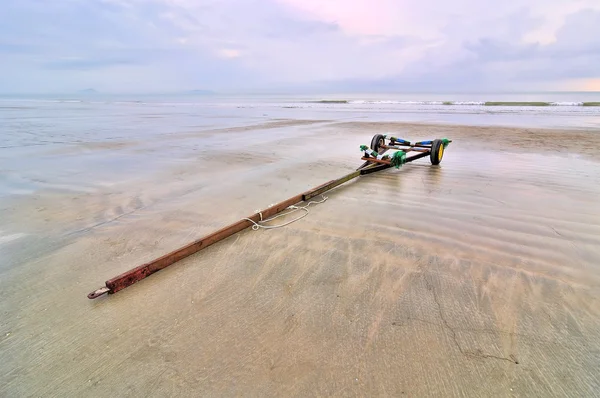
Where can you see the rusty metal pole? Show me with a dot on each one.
(143, 271)
(137, 274)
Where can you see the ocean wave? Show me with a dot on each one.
(541, 103)
(390, 102)
(329, 102)
(575, 103)
(456, 103)
(566, 103)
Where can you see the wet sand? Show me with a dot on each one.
(479, 277)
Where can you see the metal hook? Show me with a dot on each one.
(98, 293)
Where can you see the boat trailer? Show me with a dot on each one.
(375, 157)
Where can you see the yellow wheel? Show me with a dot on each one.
(437, 151)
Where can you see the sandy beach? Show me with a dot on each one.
(478, 277)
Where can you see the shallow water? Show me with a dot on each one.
(79, 143)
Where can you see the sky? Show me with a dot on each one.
(304, 45)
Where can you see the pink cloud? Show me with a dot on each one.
(357, 17)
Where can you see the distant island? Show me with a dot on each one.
(88, 91)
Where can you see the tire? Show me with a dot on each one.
(437, 151)
(376, 142)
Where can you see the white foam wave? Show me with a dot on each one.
(566, 103)
(467, 102)
(449, 103)
(389, 102)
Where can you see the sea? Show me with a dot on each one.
(36, 130)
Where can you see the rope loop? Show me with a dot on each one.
(256, 225)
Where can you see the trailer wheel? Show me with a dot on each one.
(377, 141)
(437, 151)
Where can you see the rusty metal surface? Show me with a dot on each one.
(375, 160)
(99, 292)
(329, 185)
(374, 168)
(137, 274)
(378, 166)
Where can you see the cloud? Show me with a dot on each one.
(229, 53)
(574, 53)
(157, 45)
